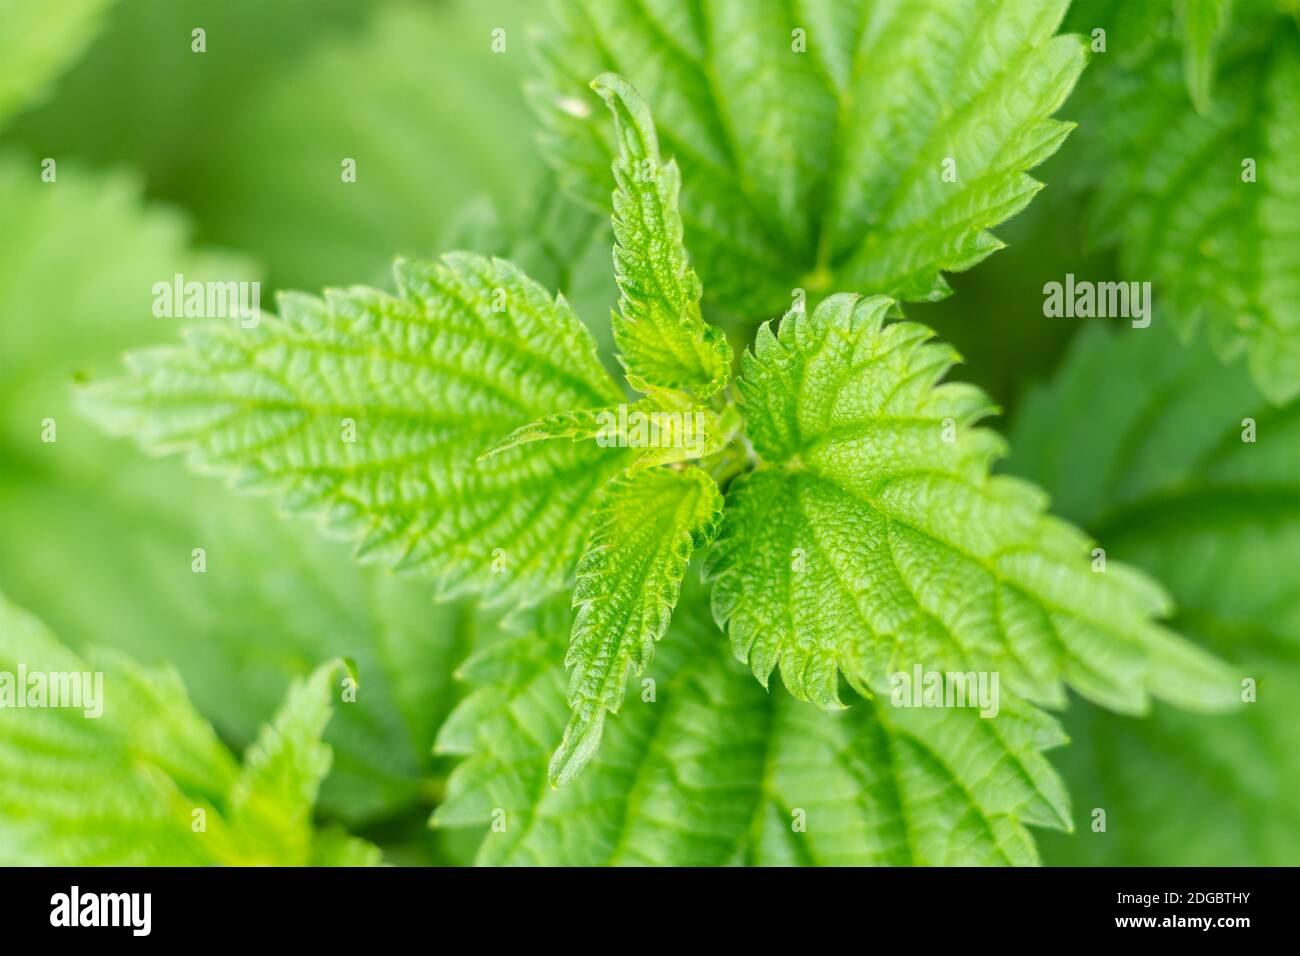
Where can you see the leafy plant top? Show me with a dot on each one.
(840, 492)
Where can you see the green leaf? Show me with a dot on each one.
(89, 510)
(560, 243)
(1201, 22)
(1171, 486)
(813, 138)
(334, 72)
(872, 538)
(663, 428)
(581, 425)
(661, 336)
(274, 602)
(368, 410)
(55, 264)
(283, 770)
(40, 40)
(707, 769)
(132, 775)
(1206, 207)
(333, 847)
(645, 531)
(108, 107)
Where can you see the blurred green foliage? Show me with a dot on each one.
(1139, 439)
(226, 165)
(98, 542)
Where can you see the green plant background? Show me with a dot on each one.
(230, 168)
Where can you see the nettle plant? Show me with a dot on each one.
(837, 491)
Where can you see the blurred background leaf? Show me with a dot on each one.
(1192, 172)
(250, 136)
(1140, 440)
(99, 541)
(38, 41)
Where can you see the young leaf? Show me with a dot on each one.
(854, 144)
(584, 424)
(134, 776)
(1205, 207)
(664, 427)
(872, 537)
(369, 410)
(708, 769)
(645, 531)
(1174, 486)
(283, 770)
(662, 338)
